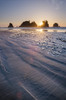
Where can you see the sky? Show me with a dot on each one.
(17, 11)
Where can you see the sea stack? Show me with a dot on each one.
(28, 24)
(56, 25)
(45, 24)
(10, 25)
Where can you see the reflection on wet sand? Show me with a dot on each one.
(32, 65)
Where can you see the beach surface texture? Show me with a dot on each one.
(32, 64)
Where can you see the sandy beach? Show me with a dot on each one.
(32, 64)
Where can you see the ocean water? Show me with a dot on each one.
(52, 40)
(33, 63)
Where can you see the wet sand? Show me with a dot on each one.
(26, 73)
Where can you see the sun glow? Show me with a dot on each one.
(41, 23)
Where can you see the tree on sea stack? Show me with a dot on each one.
(45, 24)
(10, 25)
(55, 25)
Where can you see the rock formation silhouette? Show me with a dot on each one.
(33, 24)
(10, 25)
(25, 24)
(28, 24)
(45, 24)
(55, 25)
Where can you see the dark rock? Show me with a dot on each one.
(55, 25)
(28, 24)
(10, 25)
(45, 24)
(33, 24)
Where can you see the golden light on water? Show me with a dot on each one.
(39, 30)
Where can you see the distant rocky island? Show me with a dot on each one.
(56, 25)
(28, 24)
(10, 25)
(33, 24)
(45, 24)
